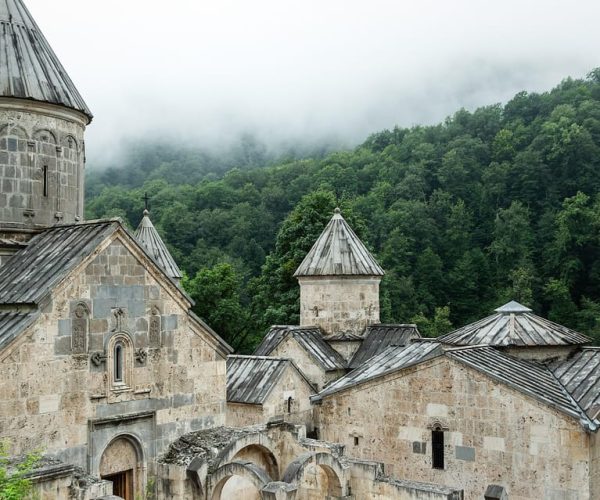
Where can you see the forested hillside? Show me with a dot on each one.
(498, 204)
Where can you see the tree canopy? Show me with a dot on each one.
(496, 204)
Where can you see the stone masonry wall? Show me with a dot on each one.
(42, 157)
(317, 376)
(57, 391)
(340, 304)
(494, 435)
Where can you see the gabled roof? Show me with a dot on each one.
(530, 378)
(310, 339)
(378, 337)
(29, 68)
(527, 377)
(250, 379)
(32, 272)
(580, 375)
(339, 252)
(514, 325)
(147, 236)
(391, 359)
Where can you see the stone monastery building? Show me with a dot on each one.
(105, 370)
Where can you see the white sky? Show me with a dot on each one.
(208, 70)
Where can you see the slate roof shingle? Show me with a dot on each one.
(580, 375)
(309, 338)
(339, 252)
(148, 237)
(391, 359)
(29, 68)
(32, 272)
(378, 337)
(250, 379)
(514, 325)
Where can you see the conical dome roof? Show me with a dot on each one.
(514, 325)
(147, 236)
(339, 252)
(29, 68)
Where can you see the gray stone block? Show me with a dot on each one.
(64, 327)
(62, 346)
(102, 307)
(169, 322)
(465, 453)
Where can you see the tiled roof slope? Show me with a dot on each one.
(250, 379)
(29, 68)
(147, 236)
(339, 252)
(580, 375)
(32, 272)
(514, 325)
(310, 339)
(13, 322)
(378, 337)
(391, 359)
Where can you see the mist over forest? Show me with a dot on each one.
(491, 205)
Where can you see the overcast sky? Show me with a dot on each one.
(306, 70)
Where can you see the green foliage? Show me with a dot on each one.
(14, 483)
(496, 204)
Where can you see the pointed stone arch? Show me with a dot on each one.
(331, 467)
(248, 471)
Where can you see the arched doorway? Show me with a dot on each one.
(123, 463)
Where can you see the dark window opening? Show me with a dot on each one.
(356, 440)
(437, 448)
(349, 411)
(45, 181)
(289, 404)
(119, 362)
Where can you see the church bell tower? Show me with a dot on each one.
(42, 123)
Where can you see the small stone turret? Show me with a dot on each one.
(339, 282)
(147, 236)
(42, 122)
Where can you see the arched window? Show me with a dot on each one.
(118, 360)
(437, 448)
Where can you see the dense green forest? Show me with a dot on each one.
(497, 204)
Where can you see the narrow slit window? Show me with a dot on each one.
(356, 440)
(45, 180)
(289, 404)
(437, 448)
(119, 362)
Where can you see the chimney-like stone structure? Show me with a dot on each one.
(42, 123)
(339, 282)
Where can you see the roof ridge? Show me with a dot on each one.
(592, 426)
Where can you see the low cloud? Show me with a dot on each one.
(205, 72)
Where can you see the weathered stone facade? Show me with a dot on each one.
(59, 389)
(288, 400)
(491, 433)
(339, 304)
(42, 156)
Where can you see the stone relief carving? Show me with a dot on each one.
(154, 328)
(79, 331)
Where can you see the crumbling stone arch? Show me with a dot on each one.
(337, 482)
(246, 470)
(256, 448)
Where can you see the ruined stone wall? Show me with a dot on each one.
(340, 304)
(57, 388)
(347, 348)
(42, 156)
(493, 434)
